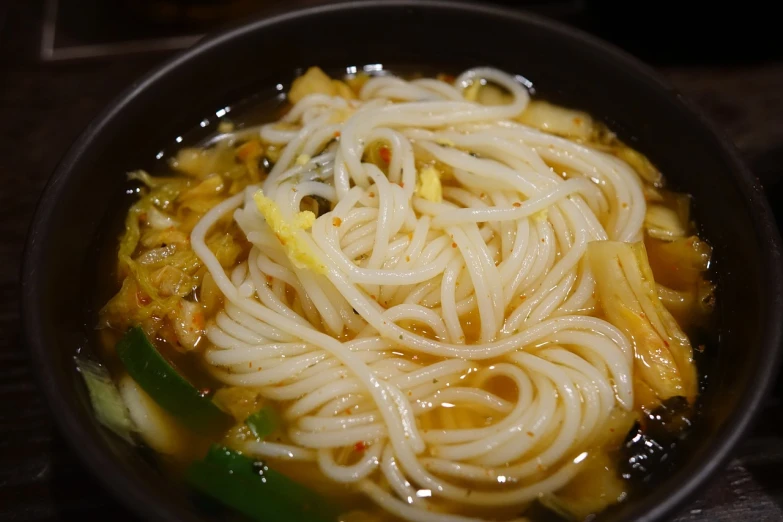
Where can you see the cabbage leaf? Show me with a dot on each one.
(627, 294)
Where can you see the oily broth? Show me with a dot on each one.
(263, 108)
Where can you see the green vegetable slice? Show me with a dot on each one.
(263, 422)
(167, 387)
(255, 490)
(105, 398)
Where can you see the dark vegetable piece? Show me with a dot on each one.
(263, 422)
(648, 449)
(316, 204)
(324, 205)
(166, 386)
(671, 420)
(255, 490)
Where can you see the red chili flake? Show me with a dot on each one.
(666, 343)
(454, 245)
(249, 150)
(577, 121)
(336, 134)
(337, 221)
(371, 194)
(402, 184)
(516, 204)
(385, 154)
(143, 298)
(530, 433)
(360, 447)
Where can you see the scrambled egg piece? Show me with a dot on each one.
(302, 159)
(299, 252)
(429, 186)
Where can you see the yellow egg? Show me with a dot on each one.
(429, 186)
(299, 252)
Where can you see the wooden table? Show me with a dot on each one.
(43, 107)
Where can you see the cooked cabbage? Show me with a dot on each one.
(429, 186)
(598, 483)
(679, 264)
(663, 223)
(157, 267)
(239, 401)
(627, 294)
(155, 425)
(315, 81)
(557, 120)
(107, 403)
(604, 139)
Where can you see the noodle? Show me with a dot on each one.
(422, 303)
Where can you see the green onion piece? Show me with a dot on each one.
(255, 490)
(167, 387)
(109, 407)
(263, 422)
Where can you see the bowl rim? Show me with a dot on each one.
(133, 494)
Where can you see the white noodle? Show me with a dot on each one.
(429, 292)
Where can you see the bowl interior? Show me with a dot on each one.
(564, 66)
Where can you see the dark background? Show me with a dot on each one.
(62, 61)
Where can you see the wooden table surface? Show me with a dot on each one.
(43, 107)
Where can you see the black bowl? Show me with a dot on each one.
(565, 65)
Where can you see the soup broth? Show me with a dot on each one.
(531, 345)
